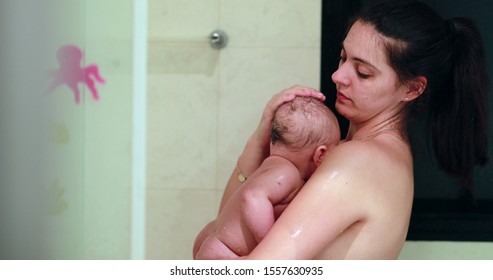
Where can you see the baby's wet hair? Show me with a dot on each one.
(304, 122)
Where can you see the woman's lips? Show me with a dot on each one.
(341, 97)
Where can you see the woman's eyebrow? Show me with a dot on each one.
(361, 60)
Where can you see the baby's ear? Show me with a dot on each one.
(319, 154)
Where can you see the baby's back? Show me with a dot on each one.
(254, 207)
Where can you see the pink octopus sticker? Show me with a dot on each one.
(71, 72)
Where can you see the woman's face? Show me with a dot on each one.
(367, 87)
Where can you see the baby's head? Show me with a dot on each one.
(305, 126)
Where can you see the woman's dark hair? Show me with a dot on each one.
(451, 55)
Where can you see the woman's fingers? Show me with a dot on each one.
(290, 93)
(296, 90)
(287, 95)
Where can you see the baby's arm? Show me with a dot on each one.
(277, 181)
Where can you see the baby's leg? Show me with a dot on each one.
(214, 249)
(204, 233)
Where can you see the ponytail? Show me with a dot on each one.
(459, 111)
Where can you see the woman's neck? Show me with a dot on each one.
(359, 131)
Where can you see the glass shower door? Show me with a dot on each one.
(71, 135)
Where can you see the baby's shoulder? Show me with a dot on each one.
(278, 163)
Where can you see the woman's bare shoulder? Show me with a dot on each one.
(367, 158)
(351, 153)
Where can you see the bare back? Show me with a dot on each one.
(241, 225)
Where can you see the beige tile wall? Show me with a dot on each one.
(204, 103)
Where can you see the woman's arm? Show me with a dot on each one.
(257, 147)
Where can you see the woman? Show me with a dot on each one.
(395, 56)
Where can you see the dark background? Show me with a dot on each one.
(442, 210)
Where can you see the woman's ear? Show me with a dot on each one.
(415, 88)
(319, 154)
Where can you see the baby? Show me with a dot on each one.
(303, 131)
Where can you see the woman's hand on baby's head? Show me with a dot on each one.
(286, 95)
(291, 93)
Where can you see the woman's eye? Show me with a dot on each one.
(342, 59)
(363, 76)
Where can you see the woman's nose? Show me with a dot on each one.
(338, 77)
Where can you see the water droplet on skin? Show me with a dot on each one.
(296, 233)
